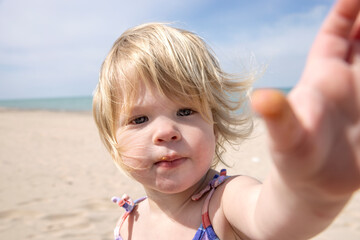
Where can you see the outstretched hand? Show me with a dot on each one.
(315, 131)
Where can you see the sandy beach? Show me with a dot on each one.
(56, 179)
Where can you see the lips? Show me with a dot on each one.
(170, 161)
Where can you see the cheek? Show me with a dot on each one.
(210, 146)
(204, 141)
(133, 148)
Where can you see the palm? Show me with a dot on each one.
(315, 133)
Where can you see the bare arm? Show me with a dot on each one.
(314, 139)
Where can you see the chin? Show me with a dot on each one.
(174, 186)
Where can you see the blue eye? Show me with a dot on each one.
(184, 112)
(139, 120)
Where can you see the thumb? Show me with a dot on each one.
(284, 128)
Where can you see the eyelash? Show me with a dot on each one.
(184, 112)
(181, 112)
(139, 120)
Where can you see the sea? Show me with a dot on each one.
(83, 103)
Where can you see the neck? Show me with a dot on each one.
(174, 204)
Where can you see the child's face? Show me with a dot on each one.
(169, 145)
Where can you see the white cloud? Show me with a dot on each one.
(47, 43)
(282, 46)
(56, 46)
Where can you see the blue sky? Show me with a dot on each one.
(54, 48)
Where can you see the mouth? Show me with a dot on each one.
(170, 162)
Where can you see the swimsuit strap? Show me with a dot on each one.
(213, 184)
(129, 205)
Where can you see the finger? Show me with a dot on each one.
(342, 18)
(332, 40)
(355, 34)
(284, 128)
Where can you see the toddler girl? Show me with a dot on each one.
(164, 109)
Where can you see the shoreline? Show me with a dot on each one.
(57, 179)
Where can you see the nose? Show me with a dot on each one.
(166, 132)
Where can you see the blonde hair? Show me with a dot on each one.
(180, 65)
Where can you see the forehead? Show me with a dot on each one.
(145, 94)
(144, 100)
(149, 95)
(138, 88)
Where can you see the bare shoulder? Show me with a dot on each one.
(240, 184)
(240, 194)
(232, 204)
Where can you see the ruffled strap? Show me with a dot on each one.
(129, 205)
(214, 183)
